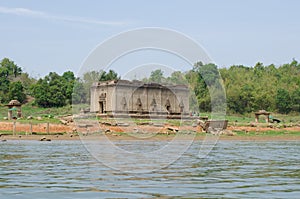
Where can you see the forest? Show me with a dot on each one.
(247, 88)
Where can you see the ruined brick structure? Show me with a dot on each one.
(136, 97)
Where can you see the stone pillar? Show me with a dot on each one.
(9, 114)
(267, 118)
(19, 113)
(256, 118)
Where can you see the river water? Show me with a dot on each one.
(233, 169)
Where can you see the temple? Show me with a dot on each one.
(136, 97)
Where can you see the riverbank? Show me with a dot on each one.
(143, 132)
(288, 136)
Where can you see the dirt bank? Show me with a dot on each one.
(162, 132)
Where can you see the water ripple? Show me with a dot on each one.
(64, 169)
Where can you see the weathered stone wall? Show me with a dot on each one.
(124, 96)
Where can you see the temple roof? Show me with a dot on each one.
(14, 103)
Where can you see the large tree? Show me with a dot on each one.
(16, 91)
(9, 72)
(54, 90)
(283, 101)
(82, 89)
(157, 76)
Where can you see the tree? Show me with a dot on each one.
(8, 72)
(79, 95)
(12, 70)
(54, 90)
(88, 79)
(16, 91)
(209, 73)
(296, 100)
(157, 76)
(41, 92)
(283, 101)
(110, 75)
(69, 81)
(177, 77)
(26, 81)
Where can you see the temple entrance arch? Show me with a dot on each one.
(101, 107)
(102, 103)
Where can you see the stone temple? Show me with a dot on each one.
(139, 98)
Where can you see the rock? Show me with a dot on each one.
(64, 122)
(122, 124)
(45, 139)
(39, 118)
(172, 129)
(228, 133)
(158, 124)
(82, 125)
(194, 125)
(213, 131)
(84, 133)
(30, 117)
(106, 123)
(144, 123)
(5, 118)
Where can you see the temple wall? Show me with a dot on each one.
(138, 98)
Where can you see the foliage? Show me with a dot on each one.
(110, 75)
(283, 101)
(157, 76)
(82, 87)
(248, 89)
(79, 94)
(269, 88)
(9, 73)
(16, 91)
(54, 90)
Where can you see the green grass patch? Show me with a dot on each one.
(34, 111)
(267, 133)
(33, 133)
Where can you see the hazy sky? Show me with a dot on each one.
(44, 36)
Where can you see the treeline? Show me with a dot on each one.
(14, 83)
(53, 90)
(248, 89)
(263, 87)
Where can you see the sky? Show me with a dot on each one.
(45, 36)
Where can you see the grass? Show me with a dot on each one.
(46, 114)
(267, 133)
(27, 133)
(31, 110)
